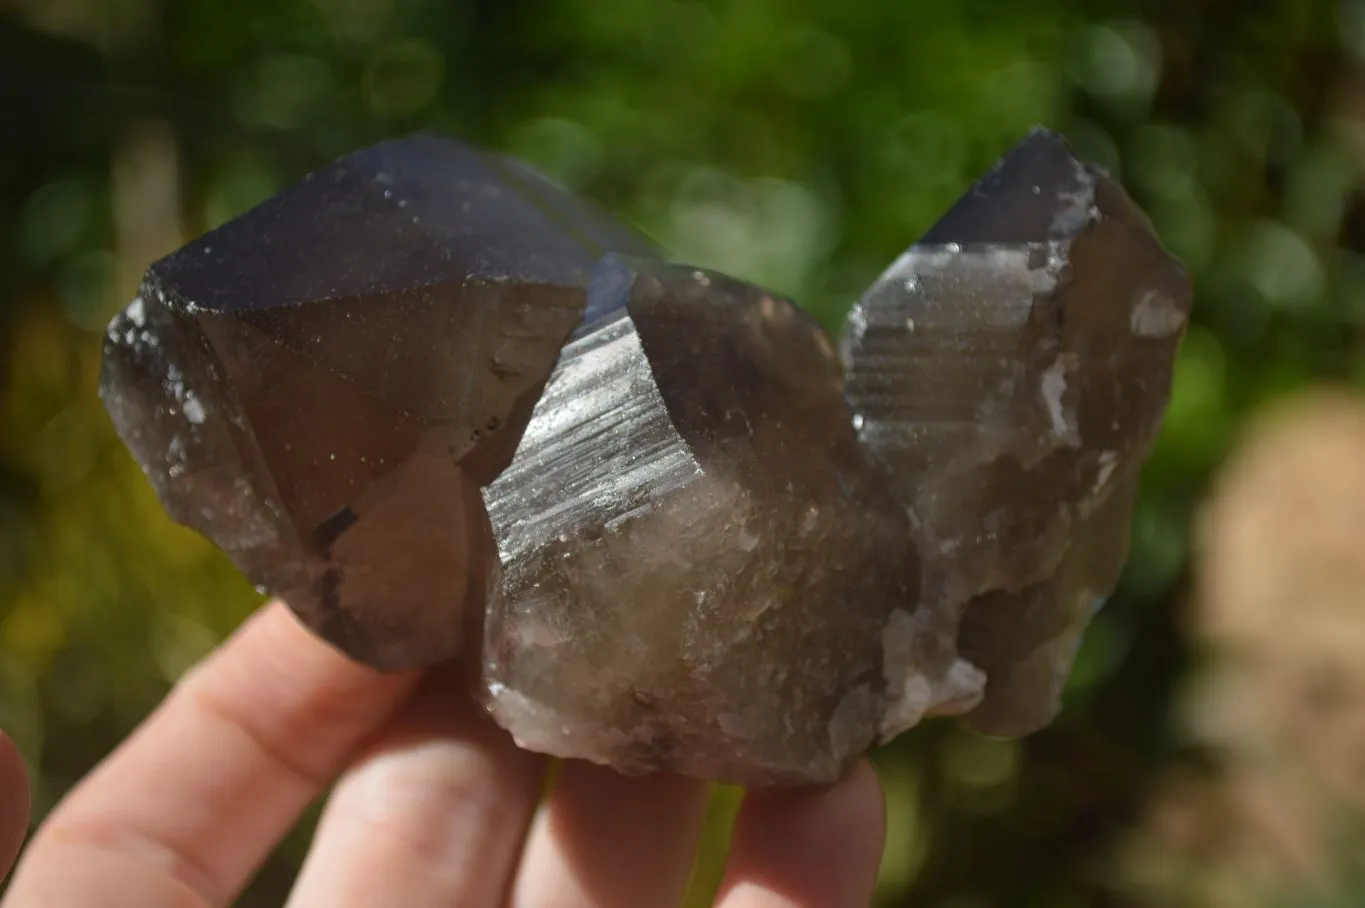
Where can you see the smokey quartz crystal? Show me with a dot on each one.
(702, 571)
(322, 385)
(1010, 371)
(442, 408)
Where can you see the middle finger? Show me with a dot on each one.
(434, 814)
(603, 840)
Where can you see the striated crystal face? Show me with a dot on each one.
(443, 409)
(701, 570)
(1011, 371)
(322, 385)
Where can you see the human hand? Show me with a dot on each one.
(432, 805)
(13, 803)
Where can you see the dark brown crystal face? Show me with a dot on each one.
(322, 385)
(440, 407)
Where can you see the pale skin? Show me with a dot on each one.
(432, 805)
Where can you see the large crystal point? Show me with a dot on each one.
(1011, 371)
(321, 385)
(701, 570)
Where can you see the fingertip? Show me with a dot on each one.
(14, 802)
(808, 848)
(274, 633)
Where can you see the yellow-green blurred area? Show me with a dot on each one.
(1212, 752)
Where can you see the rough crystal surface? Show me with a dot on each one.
(321, 385)
(1011, 370)
(701, 571)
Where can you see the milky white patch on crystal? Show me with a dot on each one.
(1155, 314)
(1077, 207)
(1053, 389)
(911, 693)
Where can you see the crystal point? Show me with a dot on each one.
(1011, 371)
(322, 385)
(701, 572)
(1037, 192)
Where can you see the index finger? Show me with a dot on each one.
(188, 807)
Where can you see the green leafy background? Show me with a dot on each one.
(797, 143)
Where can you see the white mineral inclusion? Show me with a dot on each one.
(957, 691)
(1052, 388)
(1108, 460)
(1100, 490)
(1076, 207)
(194, 410)
(913, 694)
(1155, 314)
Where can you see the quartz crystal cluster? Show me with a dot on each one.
(445, 410)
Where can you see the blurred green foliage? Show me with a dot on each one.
(797, 143)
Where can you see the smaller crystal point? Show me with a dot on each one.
(322, 385)
(701, 571)
(1011, 371)
(1039, 191)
